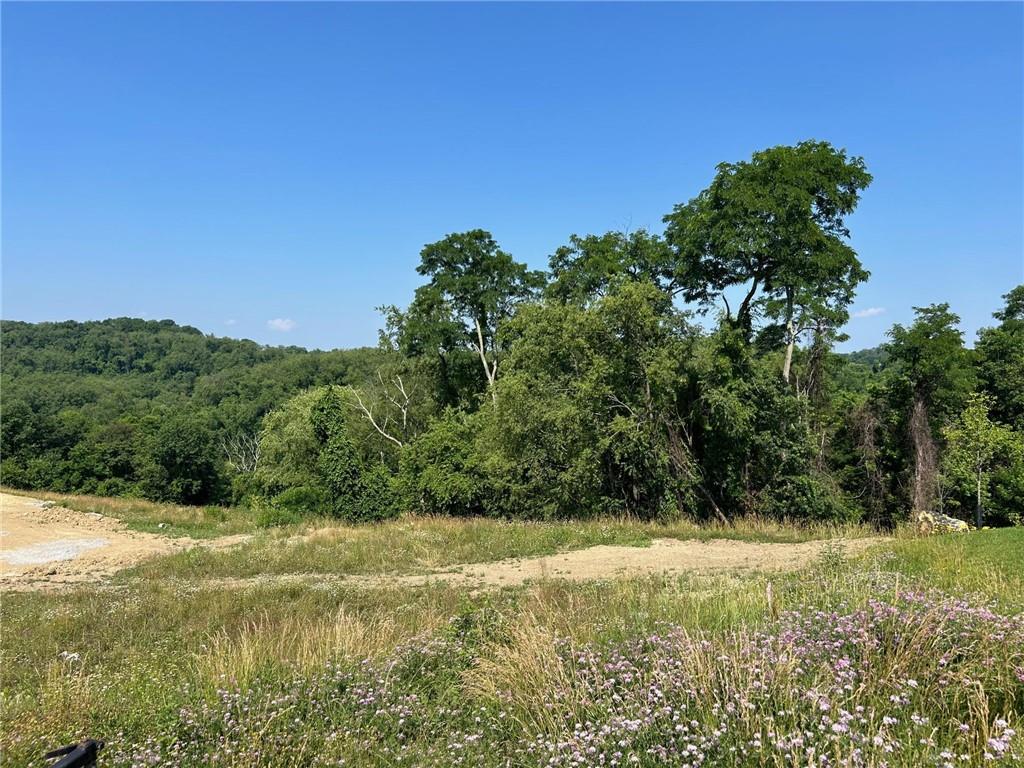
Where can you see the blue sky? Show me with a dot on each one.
(271, 171)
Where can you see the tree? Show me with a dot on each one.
(588, 267)
(482, 284)
(930, 381)
(392, 408)
(339, 466)
(439, 469)
(430, 332)
(774, 225)
(579, 427)
(974, 444)
(1000, 353)
(242, 451)
(290, 447)
(310, 463)
(180, 464)
(932, 361)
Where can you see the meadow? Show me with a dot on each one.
(909, 654)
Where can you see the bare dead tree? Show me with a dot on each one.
(242, 450)
(395, 418)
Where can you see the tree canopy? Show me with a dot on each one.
(775, 226)
(595, 388)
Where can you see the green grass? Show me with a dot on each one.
(407, 545)
(404, 546)
(986, 562)
(423, 544)
(152, 646)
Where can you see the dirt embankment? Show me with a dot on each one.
(46, 546)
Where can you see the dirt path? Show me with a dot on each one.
(46, 546)
(664, 556)
(43, 546)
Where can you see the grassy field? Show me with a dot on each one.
(909, 655)
(151, 517)
(407, 545)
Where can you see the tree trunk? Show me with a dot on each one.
(743, 313)
(791, 342)
(490, 371)
(925, 458)
(977, 508)
(790, 338)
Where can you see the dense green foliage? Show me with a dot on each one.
(134, 407)
(589, 390)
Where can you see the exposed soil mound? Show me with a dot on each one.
(46, 546)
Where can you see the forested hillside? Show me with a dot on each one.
(129, 406)
(587, 389)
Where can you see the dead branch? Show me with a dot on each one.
(242, 450)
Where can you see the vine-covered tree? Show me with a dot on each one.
(931, 379)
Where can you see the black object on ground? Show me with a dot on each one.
(76, 755)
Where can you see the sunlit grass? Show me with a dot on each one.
(986, 562)
(416, 543)
(121, 663)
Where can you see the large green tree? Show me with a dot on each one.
(930, 378)
(481, 285)
(430, 333)
(1000, 352)
(180, 462)
(774, 228)
(588, 267)
(931, 362)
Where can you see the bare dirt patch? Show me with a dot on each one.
(44, 546)
(662, 557)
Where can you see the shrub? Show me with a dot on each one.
(270, 516)
(245, 487)
(113, 486)
(440, 473)
(377, 499)
(808, 497)
(302, 500)
(12, 474)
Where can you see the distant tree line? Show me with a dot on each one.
(153, 409)
(685, 373)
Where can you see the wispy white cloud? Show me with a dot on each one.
(870, 312)
(230, 321)
(283, 324)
